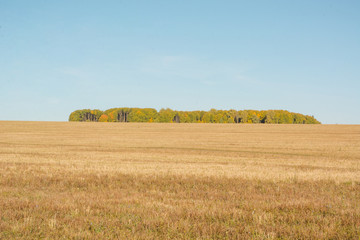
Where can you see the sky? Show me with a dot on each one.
(60, 56)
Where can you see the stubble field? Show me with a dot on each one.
(61, 180)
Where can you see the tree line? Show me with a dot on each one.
(170, 116)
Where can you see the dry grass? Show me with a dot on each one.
(179, 181)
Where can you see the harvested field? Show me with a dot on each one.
(179, 181)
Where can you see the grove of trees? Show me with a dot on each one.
(212, 116)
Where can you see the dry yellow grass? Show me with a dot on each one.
(184, 181)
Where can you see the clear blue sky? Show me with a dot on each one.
(59, 56)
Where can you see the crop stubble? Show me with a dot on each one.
(193, 181)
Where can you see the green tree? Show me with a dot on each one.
(166, 115)
(212, 116)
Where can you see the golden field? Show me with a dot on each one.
(79, 180)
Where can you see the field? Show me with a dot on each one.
(61, 180)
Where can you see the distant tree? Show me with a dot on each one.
(254, 118)
(166, 115)
(104, 118)
(206, 117)
(270, 117)
(85, 115)
(243, 116)
(212, 116)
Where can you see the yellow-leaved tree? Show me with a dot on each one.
(104, 118)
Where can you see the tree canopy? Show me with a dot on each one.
(171, 116)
